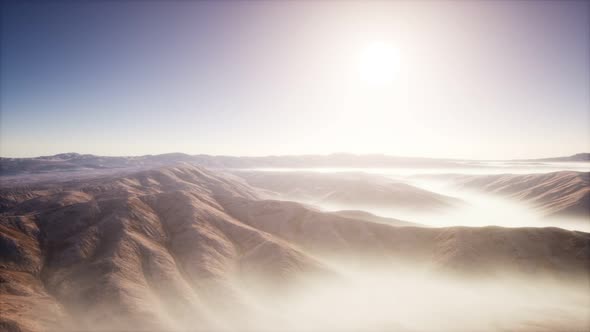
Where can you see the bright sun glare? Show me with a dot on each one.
(379, 64)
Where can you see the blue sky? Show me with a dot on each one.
(489, 79)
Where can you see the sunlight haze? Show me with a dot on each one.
(439, 79)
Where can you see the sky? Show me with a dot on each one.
(453, 79)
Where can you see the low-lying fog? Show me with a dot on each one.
(470, 168)
(393, 300)
(483, 209)
(379, 300)
(478, 208)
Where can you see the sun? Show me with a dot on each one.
(379, 64)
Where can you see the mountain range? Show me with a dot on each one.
(186, 248)
(87, 162)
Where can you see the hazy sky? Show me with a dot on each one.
(490, 79)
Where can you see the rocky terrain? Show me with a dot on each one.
(144, 251)
(185, 248)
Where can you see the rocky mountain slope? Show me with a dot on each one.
(184, 248)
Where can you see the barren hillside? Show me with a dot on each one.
(184, 248)
(555, 194)
(347, 190)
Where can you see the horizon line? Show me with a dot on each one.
(294, 155)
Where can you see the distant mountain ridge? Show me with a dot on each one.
(575, 157)
(75, 161)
